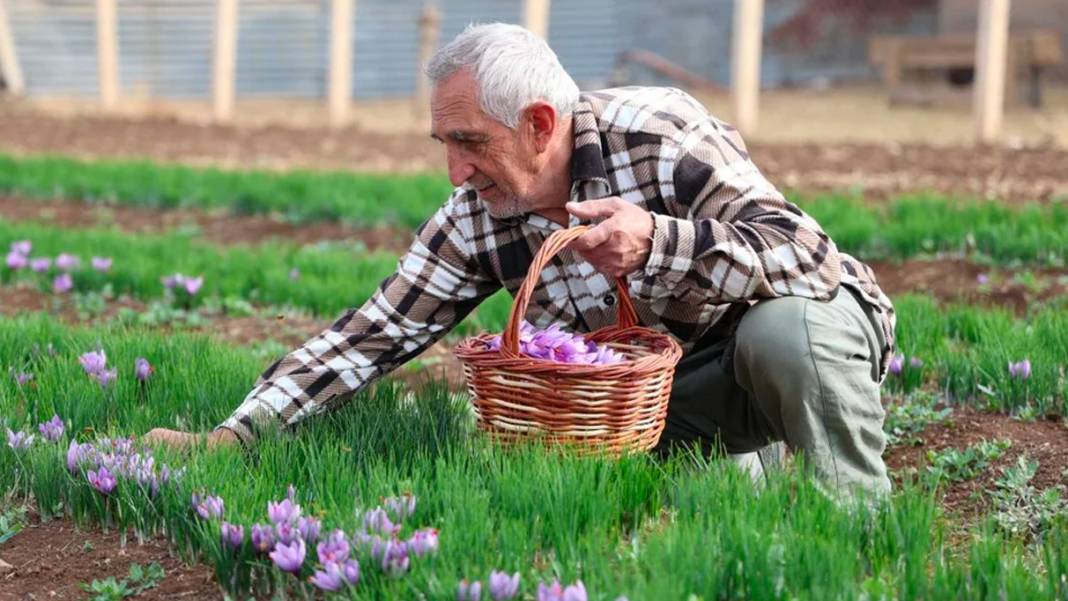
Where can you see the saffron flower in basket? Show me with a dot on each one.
(557, 345)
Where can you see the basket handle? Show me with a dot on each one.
(626, 317)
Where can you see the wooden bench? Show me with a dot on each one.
(1028, 54)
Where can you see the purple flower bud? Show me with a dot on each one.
(401, 507)
(1020, 370)
(378, 521)
(328, 578)
(502, 586)
(289, 558)
(101, 264)
(173, 281)
(40, 264)
(22, 378)
(232, 536)
(75, 454)
(335, 548)
(16, 260)
(262, 538)
(62, 283)
(423, 541)
(897, 365)
(285, 511)
(22, 247)
(915, 362)
(309, 529)
(52, 429)
(983, 279)
(106, 376)
(392, 556)
(66, 262)
(350, 571)
(294, 274)
(142, 369)
(208, 507)
(93, 362)
(469, 591)
(19, 440)
(192, 285)
(102, 480)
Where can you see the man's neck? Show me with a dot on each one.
(559, 173)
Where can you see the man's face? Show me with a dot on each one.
(499, 162)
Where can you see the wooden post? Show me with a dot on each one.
(225, 57)
(745, 62)
(10, 69)
(107, 53)
(536, 17)
(429, 29)
(990, 63)
(340, 82)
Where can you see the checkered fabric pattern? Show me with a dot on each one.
(723, 236)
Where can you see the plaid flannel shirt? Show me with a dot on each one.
(723, 236)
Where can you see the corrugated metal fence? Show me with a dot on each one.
(282, 45)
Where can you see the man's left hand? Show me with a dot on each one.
(621, 243)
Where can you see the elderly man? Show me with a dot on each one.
(785, 337)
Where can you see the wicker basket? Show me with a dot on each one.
(607, 408)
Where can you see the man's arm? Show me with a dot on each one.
(731, 236)
(436, 285)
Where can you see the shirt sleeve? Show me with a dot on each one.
(727, 234)
(437, 283)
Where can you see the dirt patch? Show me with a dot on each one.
(51, 559)
(1028, 169)
(1043, 440)
(216, 227)
(959, 280)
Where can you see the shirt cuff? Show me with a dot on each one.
(244, 434)
(671, 256)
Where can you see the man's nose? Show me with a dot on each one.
(459, 170)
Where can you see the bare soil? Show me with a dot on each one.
(1044, 440)
(794, 149)
(51, 559)
(219, 227)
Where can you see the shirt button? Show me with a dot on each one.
(609, 299)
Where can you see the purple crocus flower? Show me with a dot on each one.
(19, 440)
(66, 262)
(1020, 370)
(40, 264)
(915, 362)
(335, 575)
(207, 508)
(106, 376)
(897, 365)
(286, 532)
(423, 541)
(392, 556)
(232, 536)
(378, 521)
(334, 549)
(102, 480)
(308, 527)
(554, 592)
(502, 586)
(52, 429)
(93, 361)
(983, 279)
(173, 281)
(262, 538)
(101, 264)
(469, 591)
(284, 511)
(16, 260)
(62, 283)
(75, 453)
(142, 369)
(294, 274)
(192, 285)
(22, 247)
(289, 558)
(401, 507)
(22, 378)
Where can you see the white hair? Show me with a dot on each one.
(513, 67)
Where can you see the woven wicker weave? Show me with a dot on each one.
(608, 408)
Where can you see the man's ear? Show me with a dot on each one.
(540, 122)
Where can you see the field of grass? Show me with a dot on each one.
(633, 527)
(636, 527)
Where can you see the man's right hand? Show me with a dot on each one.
(176, 439)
